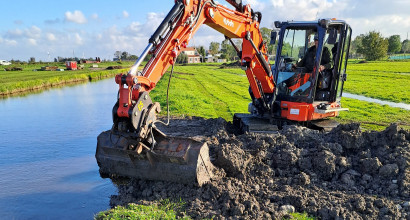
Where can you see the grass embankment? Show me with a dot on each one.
(164, 210)
(208, 91)
(31, 78)
(385, 80)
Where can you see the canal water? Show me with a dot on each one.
(47, 147)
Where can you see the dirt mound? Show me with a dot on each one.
(345, 173)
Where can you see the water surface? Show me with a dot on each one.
(47, 147)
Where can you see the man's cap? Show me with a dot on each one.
(316, 37)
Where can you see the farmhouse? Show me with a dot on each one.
(193, 55)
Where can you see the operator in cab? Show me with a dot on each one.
(308, 61)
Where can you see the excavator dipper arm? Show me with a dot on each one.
(134, 114)
(176, 31)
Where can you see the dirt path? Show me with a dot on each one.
(345, 173)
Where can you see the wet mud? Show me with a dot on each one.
(342, 174)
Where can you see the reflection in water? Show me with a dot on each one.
(47, 152)
(378, 101)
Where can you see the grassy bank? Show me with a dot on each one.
(210, 92)
(163, 210)
(385, 80)
(32, 78)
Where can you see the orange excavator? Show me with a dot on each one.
(284, 93)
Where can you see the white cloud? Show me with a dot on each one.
(125, 14)
(388, 17)
(16, 33)
(10, 42)
(94, 16)
(78, 39)
(51, 37)
(256, 4)
(33, 32)
(76, 17)
(387, 25)
(32, 41)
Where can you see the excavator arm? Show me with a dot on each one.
(134, 114)
(174, 34)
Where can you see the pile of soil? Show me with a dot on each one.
(345, 173)
(14, 68)
(114, 67)
(230, 65)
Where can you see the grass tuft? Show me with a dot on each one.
(165, 209)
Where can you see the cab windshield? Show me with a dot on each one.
(293, 77)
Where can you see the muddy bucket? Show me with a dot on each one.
(174, 159)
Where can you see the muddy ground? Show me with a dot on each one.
(342, 174)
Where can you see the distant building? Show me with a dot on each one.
(209, 58)
(4, 63)
(193, 55)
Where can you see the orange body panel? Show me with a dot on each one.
(304, 111)
(300, 81)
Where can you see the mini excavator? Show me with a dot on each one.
(284, 93)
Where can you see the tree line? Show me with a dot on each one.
(371, 46)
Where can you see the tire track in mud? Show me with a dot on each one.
(219, 104)
(225, 93)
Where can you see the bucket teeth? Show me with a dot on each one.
(174, 159)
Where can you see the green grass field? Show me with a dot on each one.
(380, 79)
(205, 91)
(31, 77)
(210, 92)
(164, 210)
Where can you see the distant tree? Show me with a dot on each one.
(356, 43)
(374, 46)
(202, 52)
(124, 55)
(227, 50)
(394, 44)
(214, 48)
(182, 58)
(117, 54)
(132, 57)
(405, 46)
(266, 32)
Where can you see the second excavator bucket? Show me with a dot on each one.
(174, 159)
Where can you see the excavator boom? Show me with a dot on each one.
(134, 147)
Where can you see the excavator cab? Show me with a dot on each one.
(309, 73)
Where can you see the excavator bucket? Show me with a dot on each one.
(174, 159)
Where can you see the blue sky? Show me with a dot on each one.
(99, 28)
